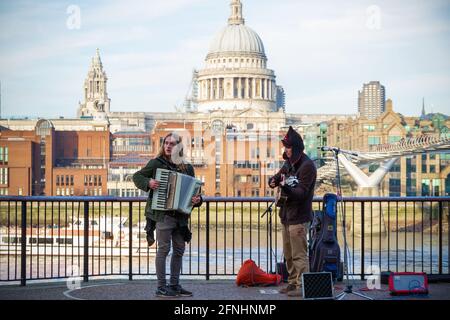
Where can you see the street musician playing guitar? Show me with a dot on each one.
(295, 182)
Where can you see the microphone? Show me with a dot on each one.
(337, 150)
(329, 149)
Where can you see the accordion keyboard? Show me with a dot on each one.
(161, 193)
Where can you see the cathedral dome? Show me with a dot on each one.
(236, 76)
(237, 38)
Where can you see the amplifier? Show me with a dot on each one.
(317, 285)
(408, 283)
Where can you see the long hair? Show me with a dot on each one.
(177, 156)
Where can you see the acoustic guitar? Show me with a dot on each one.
(280, 197)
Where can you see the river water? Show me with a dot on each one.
(228, 249)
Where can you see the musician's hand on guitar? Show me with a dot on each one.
(283, 181)
(272, 183)
(196, 200)
(153, 184)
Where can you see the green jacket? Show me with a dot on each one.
(142, 178)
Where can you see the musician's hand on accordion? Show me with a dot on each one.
(153, 184)
(196, 199)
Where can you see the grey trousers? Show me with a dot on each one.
(166, 233)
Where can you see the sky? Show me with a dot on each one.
(322, 52)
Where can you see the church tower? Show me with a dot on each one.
(96, 102)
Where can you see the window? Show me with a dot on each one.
(425, 187)
(4, 175)
(436, 186)
(57, 180)
(71, 180)
(374, 140)
(3, 155)
(410, 187)
(394, 139)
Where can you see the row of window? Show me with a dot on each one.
(245, 179)
(64, 180)
(65, 191)
(377, 140)
(93, 192)
(246, 165)
(93, 180)
(60, 241)
(256, 193)
(235, 60)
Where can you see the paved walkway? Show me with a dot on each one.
(119, 289)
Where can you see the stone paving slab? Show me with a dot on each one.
(119, 289)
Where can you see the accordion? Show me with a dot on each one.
(175, 191)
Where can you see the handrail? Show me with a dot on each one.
(212, 199)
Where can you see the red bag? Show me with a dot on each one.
(251, 275)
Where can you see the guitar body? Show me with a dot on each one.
(280, 198)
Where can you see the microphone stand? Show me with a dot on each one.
(348, 289)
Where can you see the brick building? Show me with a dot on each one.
(44, 161)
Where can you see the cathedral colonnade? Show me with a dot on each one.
(220, 88)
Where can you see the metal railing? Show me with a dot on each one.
(63, 237)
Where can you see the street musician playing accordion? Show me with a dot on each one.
(171, 226)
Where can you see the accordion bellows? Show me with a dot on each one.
(175, 191)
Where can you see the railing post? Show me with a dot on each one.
(23, 261)
(440, 237)
(130, 241)
(362, 240)
(86, 242)
(207, 240)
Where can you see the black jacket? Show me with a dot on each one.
(298, 207)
